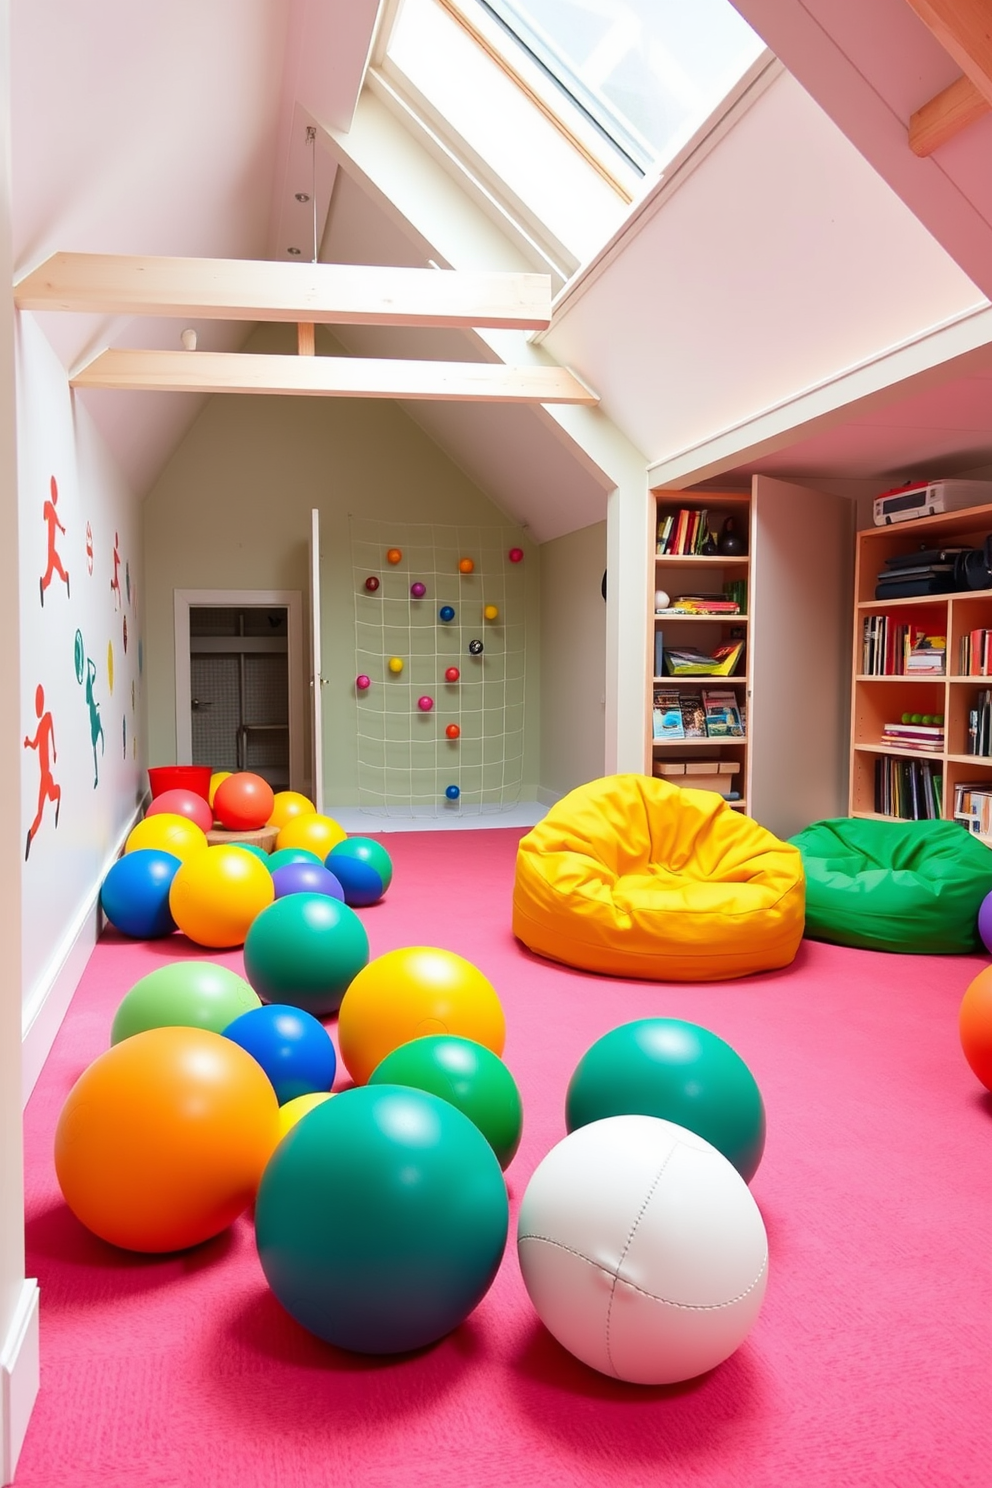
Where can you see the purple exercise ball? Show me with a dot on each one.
(985, 922)
(306, 878)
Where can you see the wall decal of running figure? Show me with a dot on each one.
(115, 583)
(44, 742)
(96, 727)
(54, 526)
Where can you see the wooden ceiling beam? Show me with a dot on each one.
(330, 377)
(945, 116)
(261, 290)
(964, 30)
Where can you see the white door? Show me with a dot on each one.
(316, 680)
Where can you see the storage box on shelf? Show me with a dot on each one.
(939, 738)
(688, 749)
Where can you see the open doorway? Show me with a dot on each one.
(239, 683)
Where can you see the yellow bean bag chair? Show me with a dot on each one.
(635, 877)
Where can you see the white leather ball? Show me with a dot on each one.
(661, 599)
(642, 1250)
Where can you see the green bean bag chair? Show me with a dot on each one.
(911, 886)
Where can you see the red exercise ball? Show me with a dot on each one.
(183, 803)
(244, 802)
(975, 1026)
(452, 731)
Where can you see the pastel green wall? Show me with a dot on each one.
(232, 511)
(573, 660)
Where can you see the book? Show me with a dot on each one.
(666, 716)
(659, 654)
(693, 715)
(723, 718)
(689, 661)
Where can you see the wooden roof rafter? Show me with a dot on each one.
(263, 290)
(308, 294)
(964, 30)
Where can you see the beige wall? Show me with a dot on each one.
(573, 660)
(232, 511)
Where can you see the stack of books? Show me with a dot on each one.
(892, 650)
(908, 788)
(684, 533)
(703, 604)
(973, 806)
(926, 738)
(976, 653)
(927, 571)
(712, 713)
(688, 661)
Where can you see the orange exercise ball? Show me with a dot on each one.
(975, 1026)
(288, 804)
(162, 1141)
(317, 833)
(216, 895)
(243, 802)
(169, 833)
(411, 992)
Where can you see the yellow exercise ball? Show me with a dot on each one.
(168, 833)
(294, 1110)
(396, 665)
(216, 895)
(409, 993)
(288, 804)
(216, 779)
(318, 834)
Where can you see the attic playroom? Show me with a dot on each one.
(409, 407)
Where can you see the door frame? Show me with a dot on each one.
(289, 599)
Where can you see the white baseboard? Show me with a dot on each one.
(49, 1002)
(19, 1378)
(548, 797)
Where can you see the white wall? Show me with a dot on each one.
(573, 660)
(100, 788)
(232, 511)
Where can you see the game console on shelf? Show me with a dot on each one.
(928, 499)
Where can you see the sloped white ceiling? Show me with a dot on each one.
(781, 261)
(778, 258)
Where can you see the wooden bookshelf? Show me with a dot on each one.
(793, 679)
(877, 700)
(691, 573)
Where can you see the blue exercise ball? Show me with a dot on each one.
(364, 868)
(135, 893)
(306, 878)
(293, 1048)
(381, 1219)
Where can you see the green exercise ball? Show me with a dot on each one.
(255, 850)
(467, 1074)
(183, 994)
(381, 1219)
(680, 1072)
(304, 950)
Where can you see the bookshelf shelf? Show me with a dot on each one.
(935, 777)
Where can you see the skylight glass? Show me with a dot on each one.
(645, 72)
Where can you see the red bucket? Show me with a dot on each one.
(195, 778)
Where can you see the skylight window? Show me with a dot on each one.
(644, 72)
(560, 109)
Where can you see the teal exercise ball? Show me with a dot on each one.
(305, 950)
(679, 1072)
(381, 1219)
(467, 1074)
(183, 994)
(283, 856)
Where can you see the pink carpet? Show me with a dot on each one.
(869, 1365)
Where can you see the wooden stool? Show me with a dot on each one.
(263, 837)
